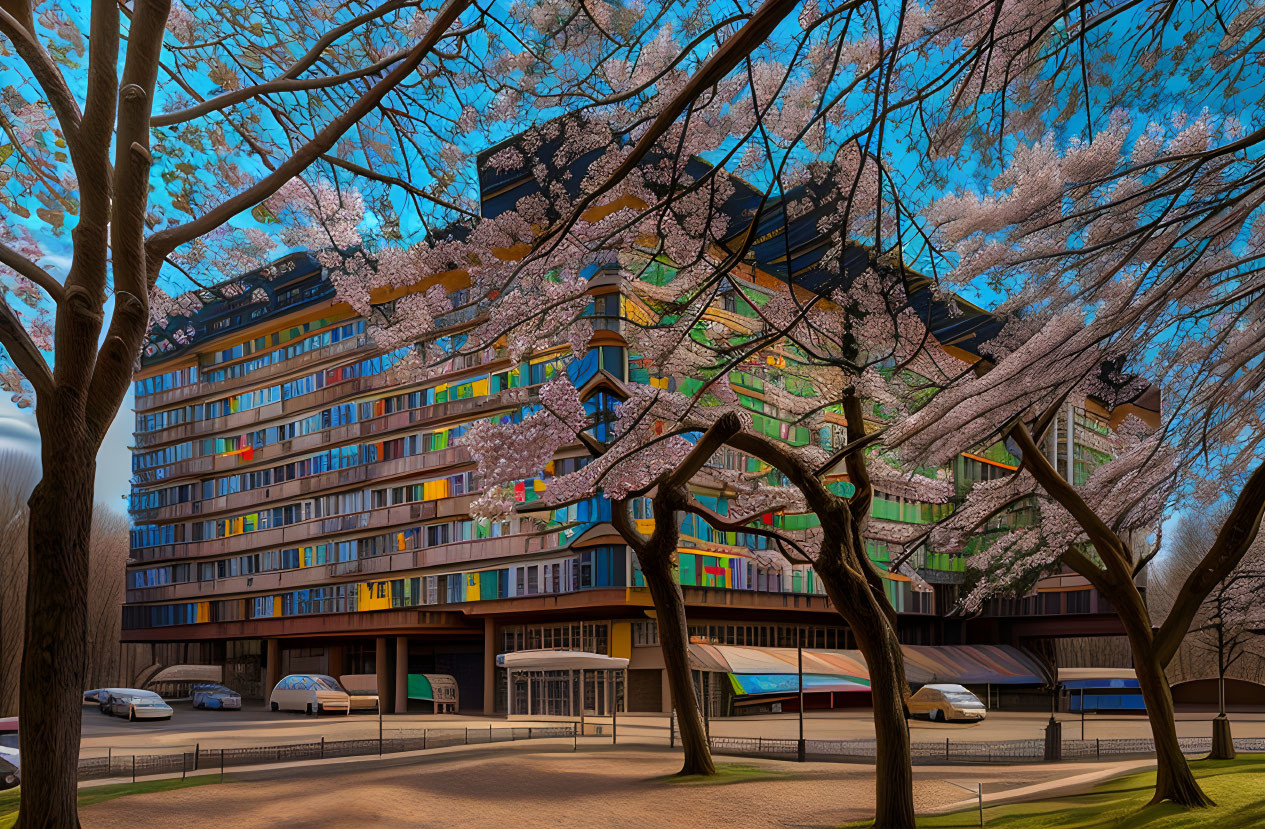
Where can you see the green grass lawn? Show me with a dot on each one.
(97, 794)
(726, 773)
(1237, 786)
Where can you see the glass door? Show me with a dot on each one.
(595, 693)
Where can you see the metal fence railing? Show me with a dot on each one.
(973, 752)
(136, 762)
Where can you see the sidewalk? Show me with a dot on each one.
(1051, 788)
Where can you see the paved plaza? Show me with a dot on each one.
(524, 785)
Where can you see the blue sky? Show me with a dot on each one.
(114, 461)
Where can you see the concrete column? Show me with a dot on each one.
(336, 661)
(489, 666)
(274, 666)
(382, 665)
(401, 675)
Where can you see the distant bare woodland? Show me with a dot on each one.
(105, 598)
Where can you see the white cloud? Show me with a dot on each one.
(114, 460)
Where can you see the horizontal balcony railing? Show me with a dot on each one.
(379, 427)
(409, 563)
(308, 532)
(436, 462)
(183, 395)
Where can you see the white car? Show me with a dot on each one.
(135, 704)
(10, 759)
(311, 694)
(97, 695)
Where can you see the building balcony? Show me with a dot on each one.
(260, 376)
(402, 564)
(440, 461)
(305, 533)
(379, 428)
(411, 621)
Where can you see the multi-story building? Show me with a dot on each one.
(297, 507)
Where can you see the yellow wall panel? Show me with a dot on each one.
(621, 640)
(374, 595)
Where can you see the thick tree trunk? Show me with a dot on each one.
(56, 628)
(894, 781)
(674, 640)
(877, 640)
(1174, 780)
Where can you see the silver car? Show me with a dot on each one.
(135, 704)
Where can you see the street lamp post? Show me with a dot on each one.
(1220, 626)
(800, 657)
(1222, 740)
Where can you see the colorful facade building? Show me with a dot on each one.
(298, 507)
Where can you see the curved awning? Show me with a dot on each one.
(551, 660)
(188, 673)
(762, 670)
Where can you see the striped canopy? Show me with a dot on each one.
(756, 670)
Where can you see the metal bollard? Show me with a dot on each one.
(946, 748)
(322, 748)
(197, 749)
(221, 765)
(133, 768)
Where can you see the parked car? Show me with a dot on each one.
(362, 689)
(946, 702)
(311, 694)
(10, 759)
(135, 704)
(211, 695)
(96, 695)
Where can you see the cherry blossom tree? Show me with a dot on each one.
(1146, 274)
(216, 132)
(816, 128)
(828, 348)
(142, 142)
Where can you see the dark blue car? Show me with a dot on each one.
(210, 695)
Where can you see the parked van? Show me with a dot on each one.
(311, 694)
(941, 703)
